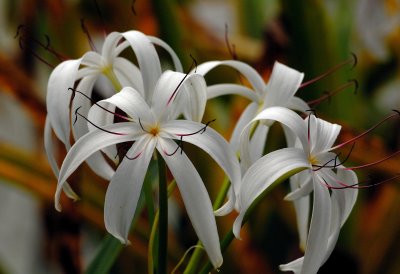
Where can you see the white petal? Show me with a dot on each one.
(247, 115)
(124, 189)
(227, 89)
(322, 134)
(211, 142)
(175, 59)
(319, 232)
(297, 104)
(128, 74)
(147, 58)
(195, 198)
(257, 142)
(263, 173)
(282, 85)
(283, 115)
(58, 97)
(252, 75)
(196, 95)
(89, 144)
(49, 148)
(171, 83)
(108, 51)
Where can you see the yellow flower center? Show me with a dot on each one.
(154, 131)
(312, 160)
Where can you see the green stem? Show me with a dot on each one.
(109, 73)
(198, 252)
(163, 217)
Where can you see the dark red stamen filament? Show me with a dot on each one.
(329, 95)
(194, 64)
(93, 124)
(89, 37)
(97, 104)
(231, 47)
(358, 185)
(397, 113)
(331, 70)
(374, 163)
(335, 165)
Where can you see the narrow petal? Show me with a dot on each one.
(211, 142)
(257, 142)
(297, 104)
(263, 173)
(49, 148)
(322, 134)
(287, 117)
(124, 189)
(251, 75)
(148, 60)
(195, 198)
(228, 89)
(89, 144)
(58, 97)
(282, 85)
(319, 232)
(175, 59)
(128, 74)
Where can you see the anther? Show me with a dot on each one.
(231, 48)
(328, 95)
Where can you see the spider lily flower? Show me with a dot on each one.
(84, 72)
(310, 142)
(153, 127)
(278, 91)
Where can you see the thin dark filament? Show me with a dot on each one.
(329, 95)
(100, 16)
(89, 37)
(93, 124)
(35, 55)
(180, 146)
(335, 160)
(140, 123)
(47, 46)
(135, 157)
(358, 185)
(133, 7)
(397, 113)
(374, 163)
(331, 70)
(100, 106)
(231, 47)
(201, 131)
(194, 63)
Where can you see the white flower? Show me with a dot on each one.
(84, 72)
(153, 126)
(278, 91)
(313, 139)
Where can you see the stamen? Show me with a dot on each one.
(374, 163)
(358, 185)
(335, 165)
(100, 106)
(133, 7)
(101, 17)
(93, 124)
(231, 47)
(397, 113)
(331, 70)
(140, 123)
(328, 95)
(201, 131)
(85, 31)
(194, 63)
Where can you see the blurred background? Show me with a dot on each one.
(309, 35)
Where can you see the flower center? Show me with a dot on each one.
(154, 131)
(313, 160)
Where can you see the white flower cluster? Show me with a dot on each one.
(145, 109)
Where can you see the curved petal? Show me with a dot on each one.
(128, 74)
(227, 89)
(257, 142)
(129, 101)
(287, 117)
(196, 98)
(124, 189)
(175, 59)
(297, 104)
(195, 198)
(263, 173)
(251, 75)
(148, 60)
(89, 144)
(319, 232)
(322, 134)
(169, 84)
(49, 148)
(282, 85)
(58, 98)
